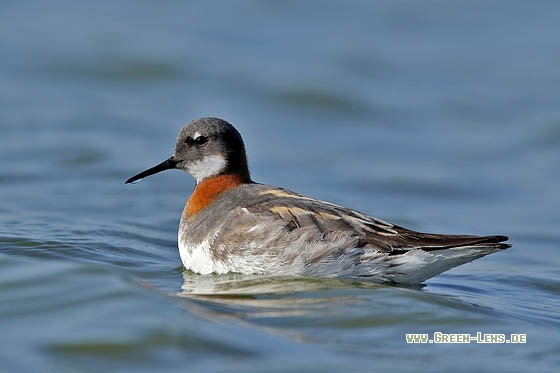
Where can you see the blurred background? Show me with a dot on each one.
(441, 116)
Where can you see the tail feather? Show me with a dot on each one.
(432, 242)
(475, 241)
(416, 265)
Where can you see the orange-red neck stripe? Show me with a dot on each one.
(208, 190)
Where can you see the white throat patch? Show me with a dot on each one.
(208, 166)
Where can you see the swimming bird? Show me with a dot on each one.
(232, 224)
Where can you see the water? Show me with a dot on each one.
(440, 116)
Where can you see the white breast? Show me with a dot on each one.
(197, 257)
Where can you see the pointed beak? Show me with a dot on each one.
(165, 165)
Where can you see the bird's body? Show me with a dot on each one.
(232, 224)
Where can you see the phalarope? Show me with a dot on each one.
(232, 224)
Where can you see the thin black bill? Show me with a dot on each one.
(165, 165)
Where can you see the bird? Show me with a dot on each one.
(231, 224)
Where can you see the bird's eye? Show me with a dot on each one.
(201, 140)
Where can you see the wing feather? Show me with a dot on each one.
(372, 233)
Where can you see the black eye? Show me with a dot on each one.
(201, 140)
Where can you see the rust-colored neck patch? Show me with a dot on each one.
(207, 191)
